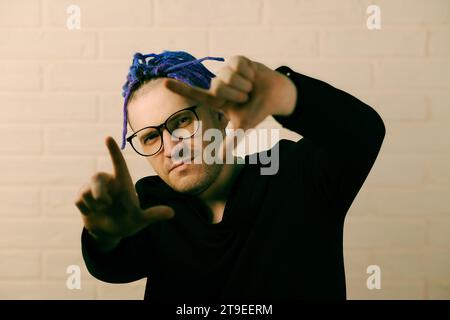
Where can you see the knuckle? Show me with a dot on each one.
(86, 192)
(243, 96)
(81, 207)
(78, 205)
(99, 176)
(240, 58)
(234, 62)
(240, 61)
(230, 77)
(214, 83)
(235, 58)
(216, 87)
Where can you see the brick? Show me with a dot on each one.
(439, 289)
(47, 44)
(351, 76)
(401, 264)
(20, 202)
(100, 13)
(48, 108)
(356, 262)
(65, 101)
(416, 137)
(414, 12)
(90, 139)
(368, 43)
(398, 170)
(438, 44)
(130, 291)
(370, 232)
(437, 263)
(390, 290)
(438, 168)
(412, 73)
(340, 74)
(40, 171)
(44, 290)
(56, 262)
(21, 140)
(319, 12)
(19, 13)
(423, 201)
(361, 206)
(204, 13)
(440, 228)
(439, 107)
(59, 202)
(413, 263)
(137, 165)
(111, 108)
(123, 44)
(294, 43)
(41, 234)
(398, 106)
(15, 76)
(20, 264)
(89, 76)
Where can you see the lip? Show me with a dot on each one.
(175, 165)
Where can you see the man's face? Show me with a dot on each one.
(151, 105)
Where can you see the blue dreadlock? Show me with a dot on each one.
(178, 65)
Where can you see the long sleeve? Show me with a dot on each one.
(343, 134)
(126, 263)
(134, 256)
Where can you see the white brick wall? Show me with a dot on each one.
(60, 94)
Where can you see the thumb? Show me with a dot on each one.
(157, 213)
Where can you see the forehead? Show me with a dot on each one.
(152, 104)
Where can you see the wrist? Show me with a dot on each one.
(288, 94)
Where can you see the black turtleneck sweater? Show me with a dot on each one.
(281, 235)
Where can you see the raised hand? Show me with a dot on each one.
(245, 90)
(110, 206)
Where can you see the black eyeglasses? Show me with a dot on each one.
(183, 124)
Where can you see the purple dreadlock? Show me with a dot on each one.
(178, 65)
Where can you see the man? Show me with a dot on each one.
(218, 231)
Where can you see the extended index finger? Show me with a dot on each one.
(193, 93)
(119, 164)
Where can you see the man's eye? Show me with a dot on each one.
(183, 121)
(150, 138)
